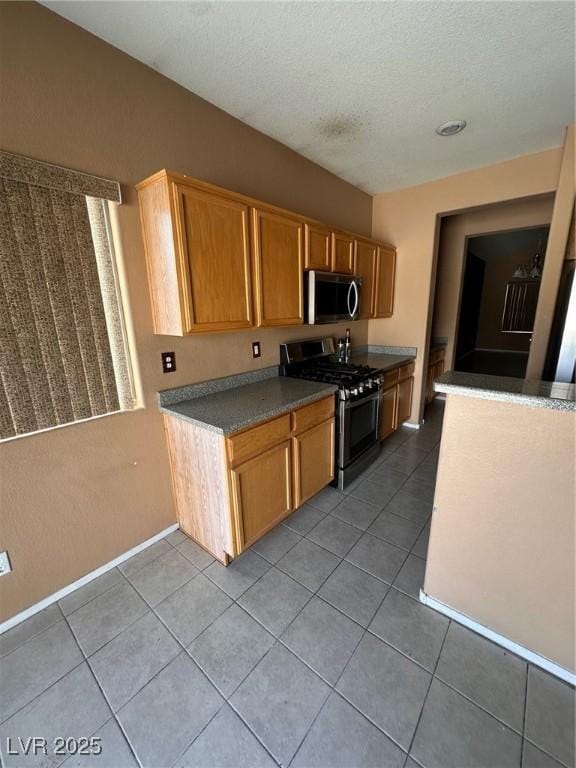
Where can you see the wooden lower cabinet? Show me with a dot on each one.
(261, 491)
(229, 491)
(404, 406)
(313, 464)
(396, 400)
(388, 403)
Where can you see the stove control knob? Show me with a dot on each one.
(354, 390)
(361, 388)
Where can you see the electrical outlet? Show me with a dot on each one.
(256, 349)
(5, 566)
(168, 362)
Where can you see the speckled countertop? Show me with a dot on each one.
(536, 394)
(236, 408)
(384, 362)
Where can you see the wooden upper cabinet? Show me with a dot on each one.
(215, 246)
(366, 268)
(317, 247)
(198, 257)
(221, 261)
(278, 268)
(385, 276)
(342, 253)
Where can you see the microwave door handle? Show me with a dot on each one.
(348, 299)
(357, 293)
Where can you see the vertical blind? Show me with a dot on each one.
(63, 355)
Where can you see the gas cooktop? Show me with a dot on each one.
(303, 361)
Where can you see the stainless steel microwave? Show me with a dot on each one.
(331, 297)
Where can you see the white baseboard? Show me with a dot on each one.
(510, 645)
(23, 615)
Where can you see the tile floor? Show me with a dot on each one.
(309, 650)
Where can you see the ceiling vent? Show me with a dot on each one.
(451, 127)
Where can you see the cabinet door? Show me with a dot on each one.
(385, 277)
(388, 403)
(261, 493)
(404, 407)
(278, 268)
(366, 265)
(214, 243)
(314, 458)
(317, 248)
(342, 254)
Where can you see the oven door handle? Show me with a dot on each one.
(348, 405)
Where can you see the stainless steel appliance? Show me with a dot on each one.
(331, 297)
(357, 401)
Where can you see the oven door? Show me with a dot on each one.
(332, 297)
(357, 427)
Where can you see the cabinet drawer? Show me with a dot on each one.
(251, 442)
(315, 413)
(405, 371)
(390, 378)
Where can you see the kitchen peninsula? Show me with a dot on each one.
(501, 554)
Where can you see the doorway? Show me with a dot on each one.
(498, 301)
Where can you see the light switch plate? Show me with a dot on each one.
(256, 351)
(5, 566)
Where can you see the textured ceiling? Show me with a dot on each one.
(359, 87)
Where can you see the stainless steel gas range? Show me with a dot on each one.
(357, 401)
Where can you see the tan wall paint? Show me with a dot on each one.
(502, 538)
(558, 241)
(409, 219)
(454, 230)
(73, 498)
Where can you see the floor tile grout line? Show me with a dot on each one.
(477, 704)
(29, 639)
(65, 616)
(43, 691)
(105, 697)
(155, 675)
(300, 537)
(225, 699)
(542, 749)
(197, 662)
(194, 575)
(432, 678)
(37, 634)
(373, 722)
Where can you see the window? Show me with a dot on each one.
(63, 351)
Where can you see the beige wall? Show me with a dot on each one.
(454, 230)
(73, 498)
(502, 538)
(556, 250)
(409, 219)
